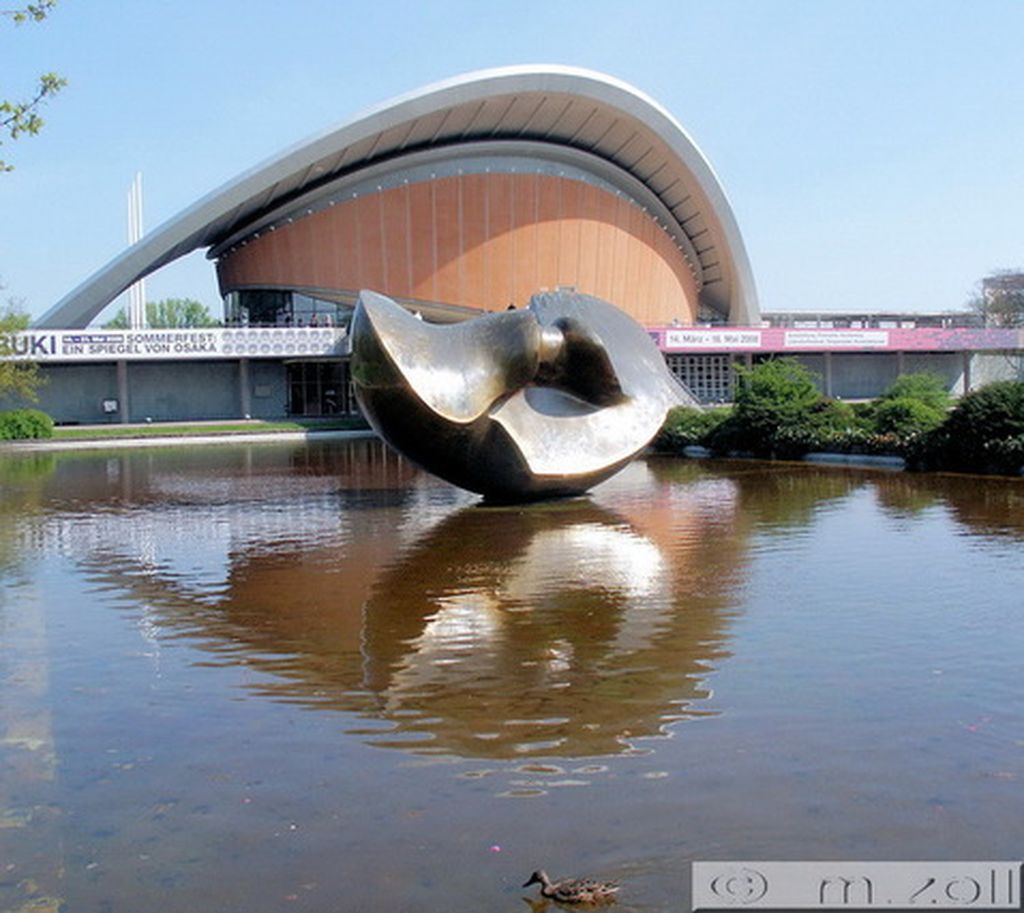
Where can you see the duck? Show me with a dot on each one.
(574, 890)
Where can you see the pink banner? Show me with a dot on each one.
(794, 340)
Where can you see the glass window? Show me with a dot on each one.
(284, 308)
(320, 388)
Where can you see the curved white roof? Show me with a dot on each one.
(564, 107)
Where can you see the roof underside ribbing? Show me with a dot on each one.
(561, 107)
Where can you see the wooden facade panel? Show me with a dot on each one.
(301, 239)
(548, 230)
(475, 268)
(636, 285)
(395, 234)
(500, 283)
(345, 253)
(284, 253)
(587, 274)
(447, 231)
(322, 239)
(569, 233)
(482, 240)
(421, 217)
(620, 251)
(524, 237)
(371, 249)
(606, 245)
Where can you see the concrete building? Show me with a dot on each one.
(467, 196)
(458, 199)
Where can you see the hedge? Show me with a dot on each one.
(25, 424)
(982, 434)
(777, 415)
(685, 426)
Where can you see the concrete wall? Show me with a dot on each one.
(74, 393)
(164, 391)
(268, 389)
(816, 365)
(862, 375)
(865, 375)
(948, 365)
(989, 367)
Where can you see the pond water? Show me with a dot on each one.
(310, 678)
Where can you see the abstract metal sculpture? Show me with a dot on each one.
(537, 403)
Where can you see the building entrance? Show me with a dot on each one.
(317, 388)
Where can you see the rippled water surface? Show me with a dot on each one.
(310, 678)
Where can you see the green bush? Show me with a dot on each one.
(25, 424)
(923, 386)
(1007, 454)
(904, 416)
(686, 426)
(833, 415)
(981, 434)
(780, 413)
(820, 427)
(771, 397)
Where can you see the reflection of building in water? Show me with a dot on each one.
(565, 628)
(348, 583)
(356, 585)
(359, 586)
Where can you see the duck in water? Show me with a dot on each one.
(574, 890)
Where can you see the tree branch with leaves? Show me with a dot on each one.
(20, 118)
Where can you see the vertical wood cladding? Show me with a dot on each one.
(479, 240)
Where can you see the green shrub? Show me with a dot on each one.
(904, 416)
(25, 424)
(1007, 454)
(923, 386)
(819, 427)
(833, 415)
(773, 395)
(981, 433)
(686, 426)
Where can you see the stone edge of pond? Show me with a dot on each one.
(864, 460)
(170, 440)
(824, 459)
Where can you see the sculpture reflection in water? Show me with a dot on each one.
(530, 404)
(560, 632)
(569, 629)
(351, 583)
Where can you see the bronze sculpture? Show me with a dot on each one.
(522, 405)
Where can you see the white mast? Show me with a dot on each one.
(137, 292)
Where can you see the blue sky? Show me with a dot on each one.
(873, 150)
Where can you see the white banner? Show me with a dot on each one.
(712, 339)
(837, 339)
(163, 345)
